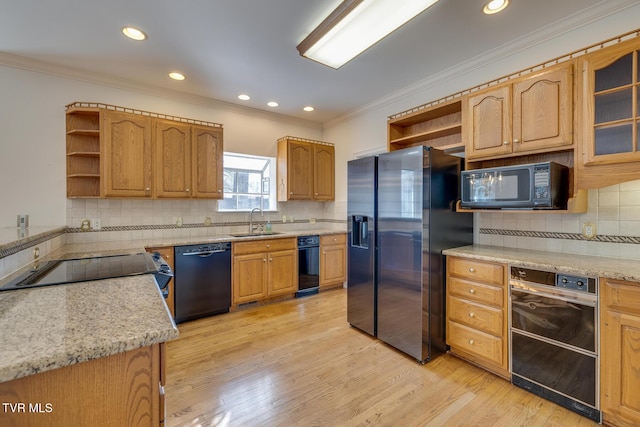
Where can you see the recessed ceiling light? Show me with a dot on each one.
(308, 108)
(134, 33)
(244, 97)
(176, 76)
(272, 104)
(495, 6)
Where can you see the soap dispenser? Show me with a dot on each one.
(267, 226)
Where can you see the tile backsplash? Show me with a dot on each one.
(614, 210)
(123, 219)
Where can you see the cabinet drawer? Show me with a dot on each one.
(620, 295)
(265, 245)
(333, 239)
(479, 292)
(487, 319)
(477, 270)
(478, 343)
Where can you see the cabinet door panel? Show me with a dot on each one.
(127, 159)
(249, 277)
(173, 159)
(489, 121)
(324, 172)
(207, 162)
(332, 264)
(283, 272)
(542, 110)
(300, 171)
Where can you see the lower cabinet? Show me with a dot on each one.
(125, 389)
(620, 352)
(167, 253)
(477, 321)
(264, 268)
(333, 260)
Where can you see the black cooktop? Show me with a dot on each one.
(58, 272)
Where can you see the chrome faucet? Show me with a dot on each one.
(251, 229)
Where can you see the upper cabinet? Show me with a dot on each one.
(610, 115)
(306, 169)
(116, 153)
(528, 115)
(438, 125)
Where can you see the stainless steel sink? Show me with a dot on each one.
(261, 233)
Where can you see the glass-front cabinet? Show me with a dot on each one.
(611, 96)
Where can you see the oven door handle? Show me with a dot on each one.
(555, 293)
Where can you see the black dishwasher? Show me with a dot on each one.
(202, 280)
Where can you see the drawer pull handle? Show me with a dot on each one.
(471, 342)
(268, 246)
(264, 260)
(472, 291)
(472, 314)
(472, 270)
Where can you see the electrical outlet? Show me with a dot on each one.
(36, 252)
(179, 221)
(312, 221)
(589, 230)
(96, 224)
(284, 219)
(207, 220)
(85, 225)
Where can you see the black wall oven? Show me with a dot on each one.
(554, 338)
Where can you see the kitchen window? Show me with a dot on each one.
(248, 183)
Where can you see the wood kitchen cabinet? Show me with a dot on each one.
(609, 114)
(477, 321)
(264, 268)
(188, 161)
(127, 149)
(620, 352)
(118, 152)
(166, 252)
(333, 260)
(306, 170)
(124, 389)
(528, 115)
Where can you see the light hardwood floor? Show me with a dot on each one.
(299, 363)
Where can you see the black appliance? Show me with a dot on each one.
(401, 215)
(554, 338)
(308, 265)
(62, 271)
(203, 280)
(532, 186)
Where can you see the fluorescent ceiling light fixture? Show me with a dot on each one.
(176, 76)
(244, 97)
(134, 33)
(272, 104)
(356, 25)
(308, 108)
(495, 6)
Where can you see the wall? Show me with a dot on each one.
(32, 165)
(612, 209)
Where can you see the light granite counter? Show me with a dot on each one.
(51, 327)
(596, 266)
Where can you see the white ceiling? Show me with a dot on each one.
(228, 47)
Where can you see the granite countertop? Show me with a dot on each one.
(596, 266)
(54, 326)
(51, 327)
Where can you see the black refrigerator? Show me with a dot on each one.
(395, 261)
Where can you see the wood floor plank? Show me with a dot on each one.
(299, 363)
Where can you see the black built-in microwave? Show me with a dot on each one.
(531, 186)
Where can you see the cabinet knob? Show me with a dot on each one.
(472, 270)
(324, 252)
(316, 194)
(516, 141)
(187, 190)
(219, 191)
(334, 239)
(472, 314)
(264, 260)
(147, 189)
(291, 194)
(471, 342)
(270, 259)
(505, 143)
(268, 246)
(472, 291)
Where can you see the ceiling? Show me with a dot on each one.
(228, 47)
